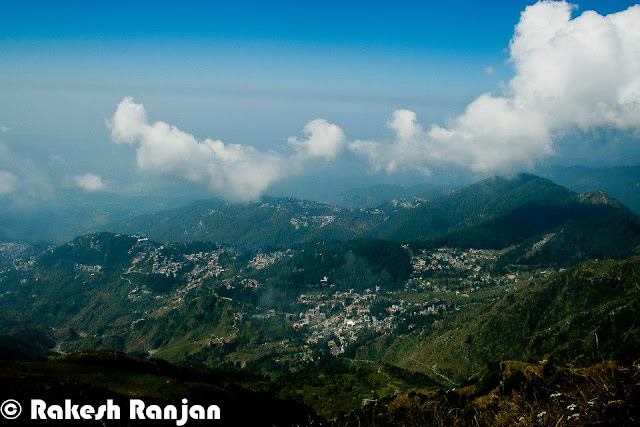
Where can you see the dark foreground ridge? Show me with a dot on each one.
(512, 393)
(92, 377)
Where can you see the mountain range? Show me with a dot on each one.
(416, 300)
(494, 213)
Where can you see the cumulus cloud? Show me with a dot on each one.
(323, 139)
(8, 182)
(232, 170)
(89, 182)
(571, 75)
(237, 172)
(408, 150)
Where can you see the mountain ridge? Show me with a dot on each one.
(492, 213)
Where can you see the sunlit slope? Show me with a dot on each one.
(586, 314)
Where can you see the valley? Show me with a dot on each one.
(375, 317)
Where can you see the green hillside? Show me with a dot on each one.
(619, 181)
(339, 308)
(494, 213)
(517, 394)
(583, 315)
(270, 222)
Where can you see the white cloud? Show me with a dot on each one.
(409, 151)
(489, 70)
(89, 182)
(582, 72)
(4, 129)
(323, 139)
(237, 172)
(8, 182)
(570, 75)
(128, 122)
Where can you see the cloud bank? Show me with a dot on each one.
(570, 75)
(89, 182)
(237, 172)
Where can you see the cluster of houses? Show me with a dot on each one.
(205, 264)
(470, 268)
(12, 255)
(264, 260)
(318, 220)
(341, 317)
(448, 259)
(91, 269)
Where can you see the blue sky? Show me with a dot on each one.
(416, 24)
(422, 25)
(250, 72)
